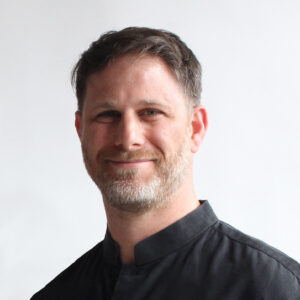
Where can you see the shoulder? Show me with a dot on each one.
(260, 263)
(79, 271)
(257, 248)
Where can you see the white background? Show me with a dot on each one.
(248, 167)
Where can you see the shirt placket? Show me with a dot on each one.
(128, 280)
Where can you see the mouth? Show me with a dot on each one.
(129, 163)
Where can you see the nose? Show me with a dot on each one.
(129, 133)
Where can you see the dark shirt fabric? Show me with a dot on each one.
(198, 257)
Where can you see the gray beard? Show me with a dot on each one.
(124, 191)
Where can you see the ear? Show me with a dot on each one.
(199, 127)
(78, 123)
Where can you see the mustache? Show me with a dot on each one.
(132, 155)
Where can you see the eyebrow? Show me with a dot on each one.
(107, 104)
(111, 104)
(154, 103)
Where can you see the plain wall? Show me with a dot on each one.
(248, 167)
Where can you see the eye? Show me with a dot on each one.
(108, 116)
(151, 112)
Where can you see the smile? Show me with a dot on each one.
(129, 163)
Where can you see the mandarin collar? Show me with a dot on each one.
(166, 241)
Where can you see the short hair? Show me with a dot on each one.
(140, 40)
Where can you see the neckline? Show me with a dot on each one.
(167, 240)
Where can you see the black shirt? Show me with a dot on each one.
(198, 257)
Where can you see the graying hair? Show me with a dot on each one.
(140, 40)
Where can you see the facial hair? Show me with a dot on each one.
(126, 190)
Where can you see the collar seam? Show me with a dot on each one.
(190, 240)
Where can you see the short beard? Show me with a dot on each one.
(124, 191)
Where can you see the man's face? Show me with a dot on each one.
(135, 132)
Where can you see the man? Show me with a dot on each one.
(140, 121)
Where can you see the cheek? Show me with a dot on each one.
(93, 138)
(163, 138)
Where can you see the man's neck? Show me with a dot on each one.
(129, 229)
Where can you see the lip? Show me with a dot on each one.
(129, 163)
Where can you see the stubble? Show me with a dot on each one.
(127, 190)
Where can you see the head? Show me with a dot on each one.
(139, 41)
(138, 118)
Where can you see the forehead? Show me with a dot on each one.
(137, 64)
(134, 77)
